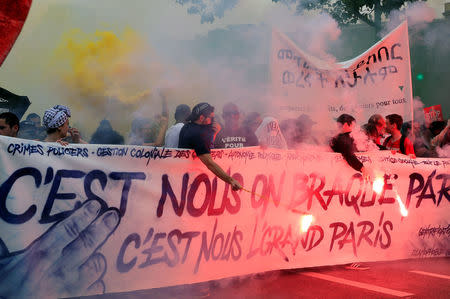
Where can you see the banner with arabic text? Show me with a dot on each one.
(377, 81)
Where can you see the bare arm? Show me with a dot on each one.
(162, 131)
(437, 140)
(217, 170)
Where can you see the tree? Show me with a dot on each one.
(209, 10)
(351, 11)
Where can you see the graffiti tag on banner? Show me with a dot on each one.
(377, 81)
(85, 219)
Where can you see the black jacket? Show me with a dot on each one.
(345, 145)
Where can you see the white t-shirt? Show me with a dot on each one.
(172, 135)
(269, 134)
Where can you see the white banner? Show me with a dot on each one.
(377, 81)
(86, 219)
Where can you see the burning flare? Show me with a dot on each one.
(403, 209)
(305, 222)
(378, 184)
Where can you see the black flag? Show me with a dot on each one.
(13, 103)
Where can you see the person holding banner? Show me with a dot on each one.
(198, 134)
(378, 121)
(233, 135)
(397, 142)
(56, 120)
(345, 144)
(9, 124)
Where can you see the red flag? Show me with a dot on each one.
(13, 14)
(432, 114)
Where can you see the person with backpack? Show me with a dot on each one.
(396, 141)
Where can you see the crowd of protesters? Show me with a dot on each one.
(237, 129)
(199, 129)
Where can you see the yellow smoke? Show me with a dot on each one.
(103, 65)
(106, 75)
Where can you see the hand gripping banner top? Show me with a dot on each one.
(377, 81)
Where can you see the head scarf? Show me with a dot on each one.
(56, 117)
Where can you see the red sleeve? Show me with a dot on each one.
(409, 147)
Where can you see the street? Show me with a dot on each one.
(416, 278)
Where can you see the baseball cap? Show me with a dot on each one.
(345, 118)
(200, 109)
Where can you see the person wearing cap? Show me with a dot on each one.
(345, 144)
(105, 134)
(182, 112)
(233, 135)
(198, 134)
(9, 124)
(56, 121)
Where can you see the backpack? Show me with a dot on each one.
(402, 143)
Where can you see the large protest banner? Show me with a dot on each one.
(85, 219)
(377, 81)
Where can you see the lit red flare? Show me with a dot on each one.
(305, 222)
(378, 184)
(403, 209)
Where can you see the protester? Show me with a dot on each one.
(182, 112)
(304, 133)
(35, 119)
(198, 134)
(9, 124)
(345, 144)
(56, 120)
(233, 135)
(39, 131)
(379, 122)
(144, 132)
(440, 132)
(289, 131)
(27, 130)
(141, 131)
(421, 142)
(106, 135)
(370, 129)
(269, 134)
(250, 123)
(396, 141)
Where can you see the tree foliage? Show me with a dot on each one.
(209, 10)
(351, 11)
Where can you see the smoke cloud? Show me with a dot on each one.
(417, 14)
(119, 64)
